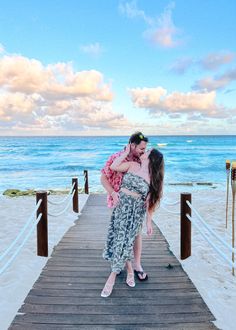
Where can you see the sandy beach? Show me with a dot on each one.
(20, 276)
(206, 269)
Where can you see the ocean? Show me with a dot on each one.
(191, 162)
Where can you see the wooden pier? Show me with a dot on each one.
(67, 292)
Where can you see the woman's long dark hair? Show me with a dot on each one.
(156, 172)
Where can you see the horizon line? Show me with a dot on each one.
(125, 135)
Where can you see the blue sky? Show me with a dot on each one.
(112, 67)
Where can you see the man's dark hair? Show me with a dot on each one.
(137, 138)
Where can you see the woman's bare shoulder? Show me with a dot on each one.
(134, 166)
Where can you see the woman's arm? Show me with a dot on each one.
(119, 165)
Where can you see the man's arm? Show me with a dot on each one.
(106, 184)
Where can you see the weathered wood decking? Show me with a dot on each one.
(67, 293)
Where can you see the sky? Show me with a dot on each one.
(107, 67)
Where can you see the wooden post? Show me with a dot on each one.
(233, 231)
(76, 196)
(42, 226)
(233, 184)
(86, 185)
(185, 226)
(227, 163)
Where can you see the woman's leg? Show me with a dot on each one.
(108, 287)
(130, 274)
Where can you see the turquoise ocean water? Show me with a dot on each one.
(51, 162)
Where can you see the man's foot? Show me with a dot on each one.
(141, 275)
(130, 280)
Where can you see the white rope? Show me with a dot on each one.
(170, 204)
(63, 200)
(60, 213)
(233, 264)
(172, 212)
(22, 231)
(21, 245)
(209, 228)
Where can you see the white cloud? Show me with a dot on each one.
(92, 49)
(215, 60)
(37, 97)
(131, 10)
(212, 61)
(181, 65)
(2, 50)
(217, 82)
(161, 30)
(157, 101)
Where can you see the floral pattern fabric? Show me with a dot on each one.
(126, 222)
(114, 177)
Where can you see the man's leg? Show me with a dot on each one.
(137, 257)
(137, 252)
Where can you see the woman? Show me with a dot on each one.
(140, 193)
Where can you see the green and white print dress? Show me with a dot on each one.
(126, 222)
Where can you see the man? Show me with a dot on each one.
(111, 181)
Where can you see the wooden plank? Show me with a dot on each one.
(114, 301)
(176, 326)
(73, 319)
(104, 309)
(145, 294)
(67, 293)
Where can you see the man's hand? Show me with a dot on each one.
(116, 198)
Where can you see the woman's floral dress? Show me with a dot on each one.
(126, 222)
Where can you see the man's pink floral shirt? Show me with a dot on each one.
(113, 177)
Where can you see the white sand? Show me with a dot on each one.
(205, 267)
(20, 276)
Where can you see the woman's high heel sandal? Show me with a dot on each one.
(130, 280)
(107, 290)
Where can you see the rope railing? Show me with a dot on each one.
(41, 211)
(11, 246)
(169, 211)
(64, 199)
(233, 264)
(166, 202)
(65, 209)
(205, 231)
(209, 228)
(21, 245)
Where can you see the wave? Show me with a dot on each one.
(190, 183)
(161, 145)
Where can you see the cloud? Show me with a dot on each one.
(160, 31)
(214, 60)
(2, 50)
(20, 74)
(92, 49)
(131, 10)
(181, 65)
(215, 83)
(35, 97)
(157, 101)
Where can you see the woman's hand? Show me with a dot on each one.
(127, 149)
(149, 228)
